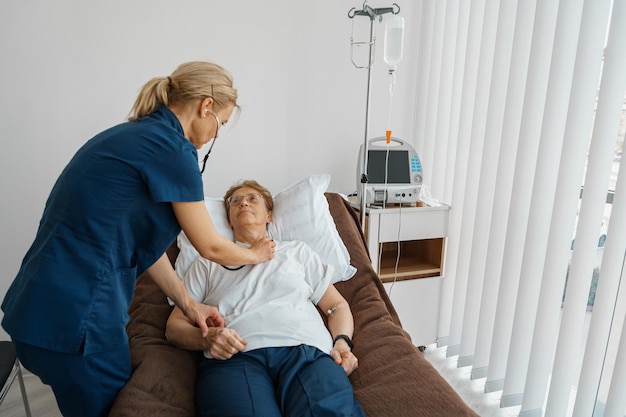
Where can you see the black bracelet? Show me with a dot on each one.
(344, 337)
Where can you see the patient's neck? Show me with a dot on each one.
(249, 234)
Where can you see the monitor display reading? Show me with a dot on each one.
(398, 170)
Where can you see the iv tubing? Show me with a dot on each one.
(392, 87)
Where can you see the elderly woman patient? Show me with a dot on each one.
(275, 356)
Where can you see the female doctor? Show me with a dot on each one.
(114, 210)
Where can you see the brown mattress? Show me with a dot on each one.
(393, 379)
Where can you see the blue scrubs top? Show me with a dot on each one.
(108, 218)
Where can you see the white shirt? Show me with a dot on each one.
(270, 304)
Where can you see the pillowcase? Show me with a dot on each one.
(300, 213)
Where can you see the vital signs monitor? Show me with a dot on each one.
(394, 172)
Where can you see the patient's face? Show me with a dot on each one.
(248, 209)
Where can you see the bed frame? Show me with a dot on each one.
(393, 378)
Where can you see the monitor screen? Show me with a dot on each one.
(398, 170)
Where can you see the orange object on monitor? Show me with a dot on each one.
(388, 133)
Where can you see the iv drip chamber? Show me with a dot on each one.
(394, 36)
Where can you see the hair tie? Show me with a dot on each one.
(169, 81)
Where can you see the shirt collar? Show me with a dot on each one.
(168, 117)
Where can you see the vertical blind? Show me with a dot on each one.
(519, 105)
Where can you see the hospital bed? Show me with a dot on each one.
(393, 378)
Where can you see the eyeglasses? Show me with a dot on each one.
(252, 198)
(217, 130)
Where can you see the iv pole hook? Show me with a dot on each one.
(373, 13)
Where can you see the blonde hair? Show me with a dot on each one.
(190, 81)
(267, 196)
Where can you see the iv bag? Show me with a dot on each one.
(394, 34)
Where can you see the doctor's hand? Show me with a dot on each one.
(223, 343)
(263, 249)
(345, 358)
(205, 316)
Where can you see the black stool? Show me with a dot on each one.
(9, 369)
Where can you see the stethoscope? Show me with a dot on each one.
(206, 157)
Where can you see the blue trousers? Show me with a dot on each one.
(84, 385)
(285, 381)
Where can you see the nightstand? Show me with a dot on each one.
(407, 247)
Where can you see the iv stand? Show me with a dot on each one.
(372, 14)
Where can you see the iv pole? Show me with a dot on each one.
(372, 14)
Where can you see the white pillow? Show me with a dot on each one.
(300, 213)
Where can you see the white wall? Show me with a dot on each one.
(71, 68)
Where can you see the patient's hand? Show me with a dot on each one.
(224, 342)
(346, 359)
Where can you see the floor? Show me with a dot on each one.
(40, 398)
(472, 391)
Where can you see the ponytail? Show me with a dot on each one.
(152, 95)
(190, 81)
